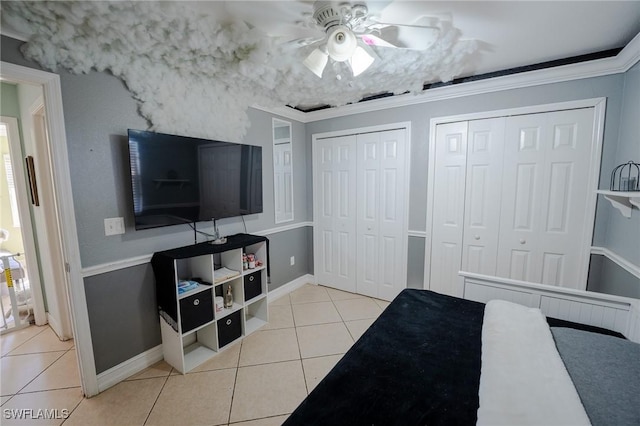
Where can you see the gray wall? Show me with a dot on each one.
(623, 234)
(419, 115)
(98, 110)
(605, 276)
(123, 315)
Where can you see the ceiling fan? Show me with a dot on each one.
(350, 30)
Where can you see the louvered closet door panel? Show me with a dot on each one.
(335, 162)
(448, 207)
(381, 213)
(483, 194)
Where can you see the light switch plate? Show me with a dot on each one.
(114, 226)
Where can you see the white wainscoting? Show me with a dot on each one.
(616, 313)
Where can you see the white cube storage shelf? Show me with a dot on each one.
(192, 330)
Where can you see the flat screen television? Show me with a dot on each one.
(179, 179)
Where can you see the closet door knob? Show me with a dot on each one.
(477, 237)
(522, 241)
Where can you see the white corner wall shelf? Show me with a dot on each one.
(622, 200)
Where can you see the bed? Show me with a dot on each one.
(420, 363)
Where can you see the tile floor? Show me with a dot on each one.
(255, 382)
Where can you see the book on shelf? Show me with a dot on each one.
(224, 273)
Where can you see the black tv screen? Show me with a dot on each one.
(179, 179)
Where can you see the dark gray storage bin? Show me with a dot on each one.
(252, 285)
(196, 310)
(229, 328)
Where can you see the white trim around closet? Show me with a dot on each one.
(599, 105)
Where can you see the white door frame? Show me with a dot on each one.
(66, 214)
(599, 106)
(26, 227)
(348, 132)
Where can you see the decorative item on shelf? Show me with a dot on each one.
(245, 262)
(625, 177)
(219, 303)
(228, 298)
(251, 260)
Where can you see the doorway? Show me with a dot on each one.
(19, 302)
(63, 220)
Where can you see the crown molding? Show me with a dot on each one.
(620, 63)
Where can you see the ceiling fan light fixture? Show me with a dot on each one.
(316, 61)
(342, 43)
(360, 61)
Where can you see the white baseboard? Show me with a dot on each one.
(134, 365)
(126, 369)
(290, 286)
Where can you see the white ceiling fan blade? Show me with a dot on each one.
(360, 61)
(279, 19)
(316, 61)
(374, 40)
(419, 35)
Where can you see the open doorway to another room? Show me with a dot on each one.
(16, 303)
(31, 244)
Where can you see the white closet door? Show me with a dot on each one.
(483, 193)
(448, 207)
(381, 215)
(335, 162)
(547, 160)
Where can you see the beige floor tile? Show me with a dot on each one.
(284, 300)
(315, 313)
(358, 327)
(59, 404)
(195, 399)
(382, 303)
(159, 369)
(127, 403)
(316, 368)
(47, 341)
(17, 371)
(280, 316)
(309, 293)
(355, 309)
(342, 295)
(61, 374)
(269, 421)
(269, 346)
(227, 358)
(10, 341)
(283, 382)
(323, 339)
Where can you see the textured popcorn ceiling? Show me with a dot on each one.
(196, 77)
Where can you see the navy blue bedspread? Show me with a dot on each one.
(418, 364)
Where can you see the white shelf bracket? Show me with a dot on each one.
(623, 201)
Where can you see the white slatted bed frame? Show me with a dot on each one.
(621, 314)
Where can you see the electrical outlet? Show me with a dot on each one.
(114, 226)
(292, 260)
